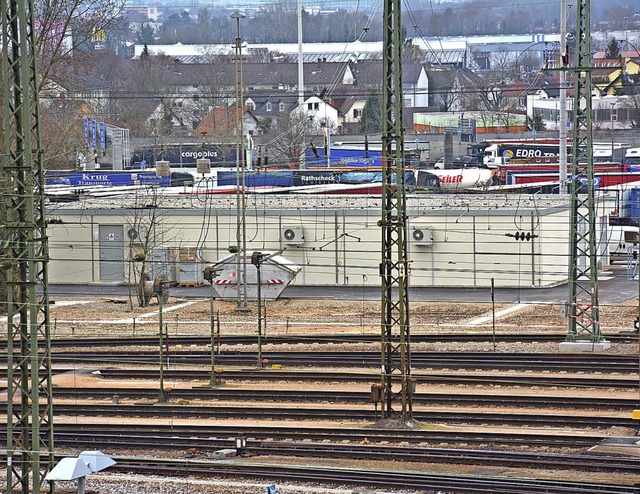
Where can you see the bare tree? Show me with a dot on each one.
(147, 229)
(285, 144)
(66, 25)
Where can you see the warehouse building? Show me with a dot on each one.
(453, 240)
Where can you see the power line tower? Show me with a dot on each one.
(25, 257)
(584, 322)
(394, 267)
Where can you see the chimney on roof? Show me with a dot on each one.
(176, 66)
(319, 64)
(272, 65)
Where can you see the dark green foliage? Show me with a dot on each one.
(371, 120)
(613, 50)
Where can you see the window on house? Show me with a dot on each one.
(281, 106)
(357, 113)
(269, 106)
(313, 106)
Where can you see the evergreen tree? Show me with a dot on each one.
(145, 53)
(613, 50)
(145, 35)
(371, 119)
(535, 123)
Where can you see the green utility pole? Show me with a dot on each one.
(25, 248)
(257, 259)
(210, 274)
(584, 322)
(396, 381)
(159, 289)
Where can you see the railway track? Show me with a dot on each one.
(476, 379)
(269, 473)
(221, 436)
(351, 451)
(324, 338)
(280, 412)
(334, 396)
(610, 363)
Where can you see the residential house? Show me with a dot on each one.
(223, 123)
(450, 88)
(611, 76)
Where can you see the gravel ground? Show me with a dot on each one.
(112, 317)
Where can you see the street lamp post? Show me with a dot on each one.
(612, 136)
(210, 274)
(241, 267)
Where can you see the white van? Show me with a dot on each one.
(623, 243)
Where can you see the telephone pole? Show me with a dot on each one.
(25, 259)
(396, 382)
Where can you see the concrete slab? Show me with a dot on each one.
(224, 453)
(584, 346)
(627, 446)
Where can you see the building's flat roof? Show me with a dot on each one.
(170, 199)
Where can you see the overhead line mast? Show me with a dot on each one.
(25, 258)
(394, 266)
(584, 322)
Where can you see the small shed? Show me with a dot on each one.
(276, 272)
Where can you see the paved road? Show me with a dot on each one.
(614, 287)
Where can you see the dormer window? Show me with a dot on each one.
(269, 106)
(281, 106)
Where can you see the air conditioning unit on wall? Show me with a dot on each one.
(134, 234)
(292, 235)
(422, 237)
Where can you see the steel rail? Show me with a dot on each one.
(544, 380)
(450, 360)
(332, 338)
(515, 459)
(334, 396)
(370, 478)
(222, 433)
(533, 419)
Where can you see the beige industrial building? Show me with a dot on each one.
(520, 240)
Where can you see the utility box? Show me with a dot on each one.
(189, 267)
(162, 261)
(377, 393)
(276, 273)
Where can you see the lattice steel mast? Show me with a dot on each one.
(394, 268)
(584, 323)
(25, 258)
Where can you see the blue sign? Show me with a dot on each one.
(94, 137)
(106, 178)
(103, 137)
(596, 181)
(86, 132)
(272, 489)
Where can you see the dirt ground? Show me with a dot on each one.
(116, 317)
